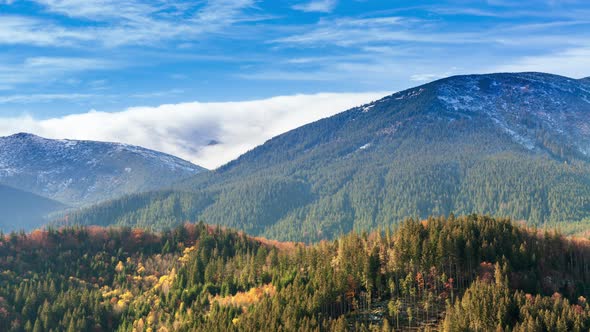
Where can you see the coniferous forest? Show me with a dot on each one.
(419, 152)
(294, 166)
(469, 273)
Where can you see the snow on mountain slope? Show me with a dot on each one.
(82, 172)
(537, 110)
(501, 144)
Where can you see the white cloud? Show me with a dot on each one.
(43, 97)
(360, 32)
(425, 77)
(18, 30)
(45, 69)
(185, 130)
(113, 23)
(574, 63)
(433, 76)
(322, 6)
(56, 64)
(99, 10)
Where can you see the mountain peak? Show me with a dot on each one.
(22, 135)
(507, 77)
(80, 172)
(515, 144)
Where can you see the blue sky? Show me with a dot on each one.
(66, 56)
(74, 68)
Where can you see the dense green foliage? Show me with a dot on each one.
(411, 154)
(470, 273)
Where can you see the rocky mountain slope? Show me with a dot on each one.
(504, 144)
(82, 172)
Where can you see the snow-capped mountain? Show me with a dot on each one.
(538, 111)
(534, 112)
(82, 172)
(507, 144)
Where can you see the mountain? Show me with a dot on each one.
(82, 172)
(508, 144)
(23, 210)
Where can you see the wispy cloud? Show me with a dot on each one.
(127, 22)
(157, 93)
(67, 63)
(43, 69)
(206, 46)
(426, 77)
(101, 10)
(186, 130)
(359, 32)
(19, 30)
(225, 12)
(574, 63)
(514, 9)
(427, 44)
(43, 98)
(322, 6)
(95, 86)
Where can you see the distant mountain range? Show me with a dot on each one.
(79, 173)
(23, 210)
(503, 144)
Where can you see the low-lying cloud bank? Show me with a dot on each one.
(207, 134)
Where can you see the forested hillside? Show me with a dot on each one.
(469, 273)
(24, 210)
(503, 144)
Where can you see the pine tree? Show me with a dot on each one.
(38, 326)
(71, 326)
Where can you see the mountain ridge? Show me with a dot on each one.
(82, 172)
(30, 136)
(508, 144)
(411, 92)
(22, 210)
